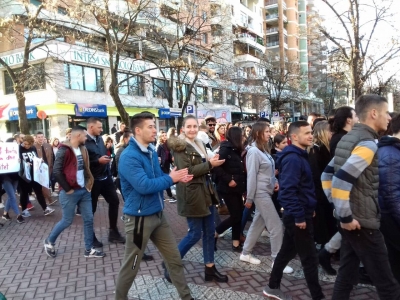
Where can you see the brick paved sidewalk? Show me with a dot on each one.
(26, 272)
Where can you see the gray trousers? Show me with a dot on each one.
(265, 216)
(334, 243)
(138, 232)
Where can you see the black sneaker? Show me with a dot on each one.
(49, 249)
(78, 211)
(97, 244)
(115, 237)
(275, 294)
(20, 219)
(6, 217)
(94, 253)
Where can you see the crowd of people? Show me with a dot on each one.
(313, 186)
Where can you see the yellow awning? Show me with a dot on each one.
(113, 111)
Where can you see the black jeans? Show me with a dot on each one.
(368, 246)
(25, 188)
(166, 171)
(391, 232)
(235, 205)
(301, 242)
(107, 189)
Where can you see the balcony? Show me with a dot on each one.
(170, 7)
(274, 30)
(275, 44)
(256, 42)
(273, 18)
(273, 4)
(242, 58)
(217, 19)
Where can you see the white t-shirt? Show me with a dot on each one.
(80, 176)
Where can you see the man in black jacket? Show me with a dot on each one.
(103, 182)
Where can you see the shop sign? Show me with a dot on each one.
(91, 110)
(175, 112)
(164, 113)
(31, 112)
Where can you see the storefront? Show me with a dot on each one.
(35, 124)
(85, 111)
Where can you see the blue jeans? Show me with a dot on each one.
(10, 187)
(196, 227)
(83, 199)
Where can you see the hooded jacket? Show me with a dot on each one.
(194, 199)
(142, 180)
(66, 168)
(389, 177)
(296, 186)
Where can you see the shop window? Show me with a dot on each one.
(160, 88)
(230, 98)
(201, 94)
(35, 79)
(83, 78)
(185, 91)
(217, 96)
(130, 85)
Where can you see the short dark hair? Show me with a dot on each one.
(114, 125)
(295, 126)
(93, 120)
(365, 102)
(339, 120)
(38, 132)
(279, 138)
(262, 119)
(395, 124)
(314, 114)
(10, 140)
(138, 119)
(319, 119)
(78, 128)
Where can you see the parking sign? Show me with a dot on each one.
(189, 109)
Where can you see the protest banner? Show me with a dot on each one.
(41, 172)
(9, 158)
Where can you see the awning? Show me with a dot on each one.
(57, 109)
(113, 111)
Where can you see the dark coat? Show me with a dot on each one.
(97, 149)
(194, 199)
(231, 169)
(297, 192)
(336, 137)
(389, 177)
(166, 157)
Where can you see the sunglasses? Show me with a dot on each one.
(211, 125)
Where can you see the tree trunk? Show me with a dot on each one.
(118, 104)
(23, 121)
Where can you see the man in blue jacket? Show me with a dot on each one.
(143, 183)
(297, 197)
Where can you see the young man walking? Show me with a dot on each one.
(297, 197)
(351, 181)
(143, 183)
(71, 169)
(103, 181)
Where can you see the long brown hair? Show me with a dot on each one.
(257, 133)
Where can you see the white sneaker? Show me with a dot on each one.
(54, 194)
(250, 259)
(265, 233)
(1, 205)
(31, 198)
(26, 213)
(48, 211)
(225, 232)
(287, 270)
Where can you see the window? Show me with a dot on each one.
(230, 98)
(160, 88)
(217, 96)
(204, 16)
(185, 91)
(204, 38)
(62, 11)
(201, 94)
(132, 85)
(35, 79)
(83, 78)
(36, 2)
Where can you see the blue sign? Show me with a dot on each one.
(175, 112)
(31, 112)
(275, 114)
(91, 110)
(164, 113)
(189, 109)
(264, 114)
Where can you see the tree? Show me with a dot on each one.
(357, 39)
(182, 41)
(23, 25)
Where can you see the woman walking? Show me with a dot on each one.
(232, 184)
(26, 153)
(194, 198)
(165, 159)
(261, 184)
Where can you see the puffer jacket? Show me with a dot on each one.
(389, 177)
(231, 169)
(194, 199)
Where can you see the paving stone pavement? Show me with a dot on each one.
(26, 272)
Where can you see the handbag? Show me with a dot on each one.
(25, 172)
(212, 189)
